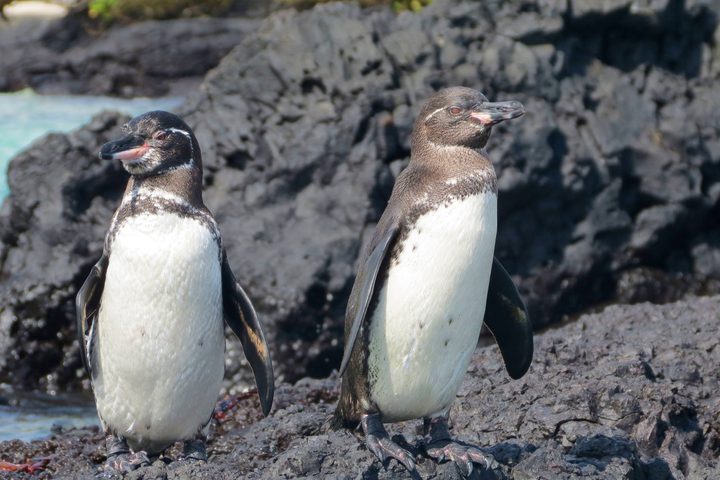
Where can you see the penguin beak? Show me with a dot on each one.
(490, 113)
(127, 149)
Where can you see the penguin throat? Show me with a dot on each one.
(444, 153)
(474, 137)
(150, 166)
(181, 182)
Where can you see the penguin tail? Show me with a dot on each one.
(346, 414)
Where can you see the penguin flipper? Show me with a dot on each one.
(242, 319)
(507, 319)
(364, 287)
(87, 305)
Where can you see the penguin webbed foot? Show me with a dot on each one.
(194, 451)
(442, 448)
(463, 455)
(383, 447)
(127, 462)
(119, 457)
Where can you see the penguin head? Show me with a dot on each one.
(461, 116)
(154, 143)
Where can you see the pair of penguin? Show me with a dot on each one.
(150, 314)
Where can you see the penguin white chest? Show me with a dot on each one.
(159, 353)
(429, 313)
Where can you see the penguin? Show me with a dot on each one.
(151, 313)
(428, 281)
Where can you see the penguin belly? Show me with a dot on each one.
(159, 354)
(430, 310)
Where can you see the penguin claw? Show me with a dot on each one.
(468, 468)
(464, 456)
(440, 446)
(126, 462)
(476, 456)
(386, 450)
(379, 443)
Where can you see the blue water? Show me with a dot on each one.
(26, 116)
(32, 416)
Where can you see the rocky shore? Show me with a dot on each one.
(609, 193)
(152, 58)
(628, 393)
(609, 187)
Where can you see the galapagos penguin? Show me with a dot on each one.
(427, 282)
(150, 314)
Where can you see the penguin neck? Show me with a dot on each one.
(177, 192)
(450, 161)
(183, 183)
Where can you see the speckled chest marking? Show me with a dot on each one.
(160, 346)
(150, 201)
(429, 312)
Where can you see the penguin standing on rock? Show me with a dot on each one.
(150, 314)
(426, 283)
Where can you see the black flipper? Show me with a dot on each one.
(507, 319)
(87, 306)
(242, 319)
(364, 287)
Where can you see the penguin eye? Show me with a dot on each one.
(160, 135)
(455, 110)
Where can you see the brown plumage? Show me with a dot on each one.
(448, 164)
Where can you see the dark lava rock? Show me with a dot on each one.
(609, 186)
(143, 59)
(628, 393)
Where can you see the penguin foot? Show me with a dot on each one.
(379, 443)
(442, 448)
(119, 458)
(194, 451)
(127, 462)
(464, 456)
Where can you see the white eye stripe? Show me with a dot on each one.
(433, 113)
(177, 130)
(189, 137)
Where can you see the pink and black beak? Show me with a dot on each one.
(128, 149)
(490, 113)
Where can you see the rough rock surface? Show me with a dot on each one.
(629, 393)
(144, 59)
(609, 186)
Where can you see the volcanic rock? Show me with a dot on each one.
(627, 393)
(609, 186)
(150, 58)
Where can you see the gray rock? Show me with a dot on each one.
(627, 393)
(598, 7)
(609, 185)
(142, 59)
(706, 255)
(652, 225)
